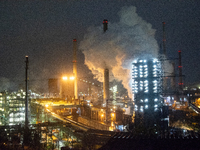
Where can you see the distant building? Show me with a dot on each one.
(53, 87)
(147, 88)
(12, 108)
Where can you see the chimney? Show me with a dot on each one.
(106, 71)
(173, 84)
(105, 25)
(75, 68)
(180, 71)
(106, 85)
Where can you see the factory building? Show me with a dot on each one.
(67, 88)
(147, 88)
(12, 108)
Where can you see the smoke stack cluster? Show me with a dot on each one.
(130, 38)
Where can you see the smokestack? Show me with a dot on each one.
(75, 68)
(106, 71)
(173, 77)
(180, 71)
(164, 40)
(105, 25)
(106, 85)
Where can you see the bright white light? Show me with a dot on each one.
(154, 60)
(146, 106)
(156, 106)
(64, 78)
(140, 61)
(141, 109)
(146, 100)
(145, 61)
(72, 78)
(155, 100)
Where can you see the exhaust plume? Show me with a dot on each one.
(129, 39)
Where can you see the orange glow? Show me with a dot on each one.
(113, 114)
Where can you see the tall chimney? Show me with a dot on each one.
(105, 25)
(173, 85)
(180, 71)
(106, 85)
(75, 68)
(106, 71)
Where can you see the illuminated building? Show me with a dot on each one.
(67, 87)
(147, 88)
(12, 108)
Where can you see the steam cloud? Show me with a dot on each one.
(131, 38)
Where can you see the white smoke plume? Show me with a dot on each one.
(131, 38)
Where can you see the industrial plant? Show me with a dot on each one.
(116, 103)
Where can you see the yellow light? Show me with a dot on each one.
(113, 114)
(71, 78)
(46, 105)
(64, 78)
(102, 115)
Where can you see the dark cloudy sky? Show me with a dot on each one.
(44, 31)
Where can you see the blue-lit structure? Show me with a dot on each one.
(147, 90)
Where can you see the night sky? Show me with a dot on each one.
(44, 30)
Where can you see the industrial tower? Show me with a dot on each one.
(147, 88)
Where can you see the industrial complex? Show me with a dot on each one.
(75, 108)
